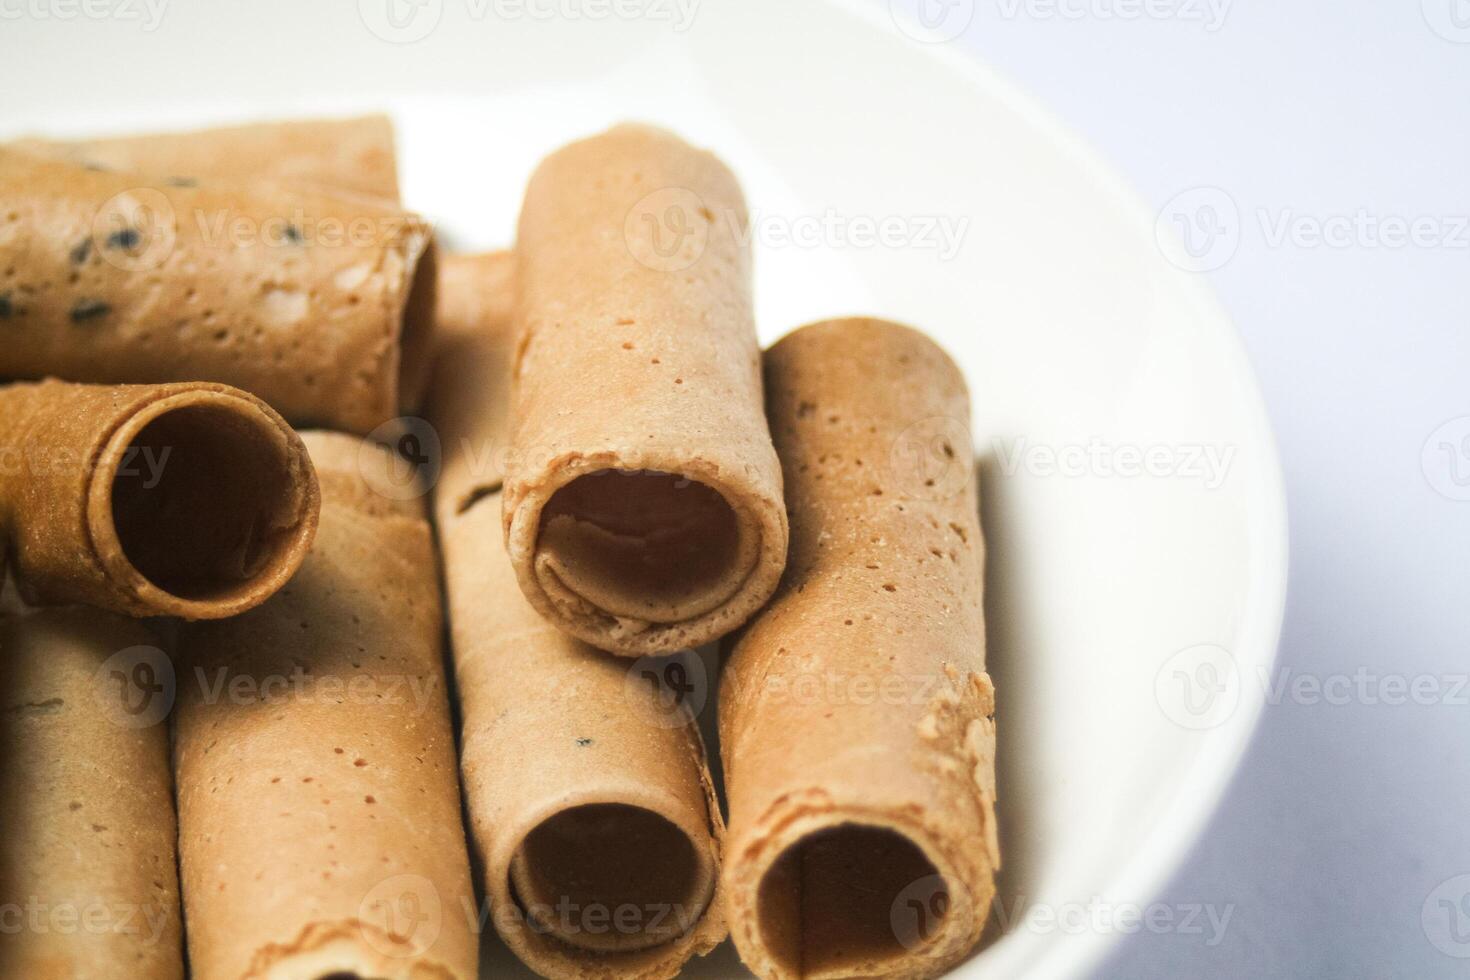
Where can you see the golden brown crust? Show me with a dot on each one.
(637, 354)
(87, 871)
(469, 398)
(353, 154)
(191, 499)
(552, 728)
(316, 302)
(856, 715)
(320, 827)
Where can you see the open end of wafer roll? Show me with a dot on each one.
(645, 546)
(838, 902)
(610, 877)
(203, 503)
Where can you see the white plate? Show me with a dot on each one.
(1112, 598)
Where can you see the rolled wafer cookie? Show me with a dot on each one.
(589, 794)
(320, 831)
(353, 154)
(87, 860)
(643, 507)
(469, 398)
(193, 499)
(856, 716)
(318, 303)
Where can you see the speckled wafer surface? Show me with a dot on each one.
(856, 715)
(353, 154)
(556, 734)
(189, 499)
(643, 505)
(318, 303)
(319, 810)
(87, 860)
(564, 740)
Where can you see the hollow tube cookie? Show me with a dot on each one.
(589, 794)
(87, 860)
(320, 304)
(643, 508)
(352, 154)
(194, 500)
(469, 397)
(320, 831)
(856, 716)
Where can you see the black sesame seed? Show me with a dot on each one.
(126, 238)
(584, 741)
(6, 309)
(82, 250)
(89, 309)
(97, 167)
(293, 235)
(182, 182)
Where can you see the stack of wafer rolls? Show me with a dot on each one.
(319, 813)
(590, 799)
(855, 711)
(648, 518)
(88, 885)
(194, 500)
(354, 154)
(317, 302)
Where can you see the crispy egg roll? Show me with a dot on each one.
(353, 154)
(589, 794)
(318, 303)
(194, 500)
(88, 884)
(643, 508)
(856, 715)
(320, 831)
(469, 399)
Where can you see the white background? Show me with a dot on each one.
(1345, 817)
